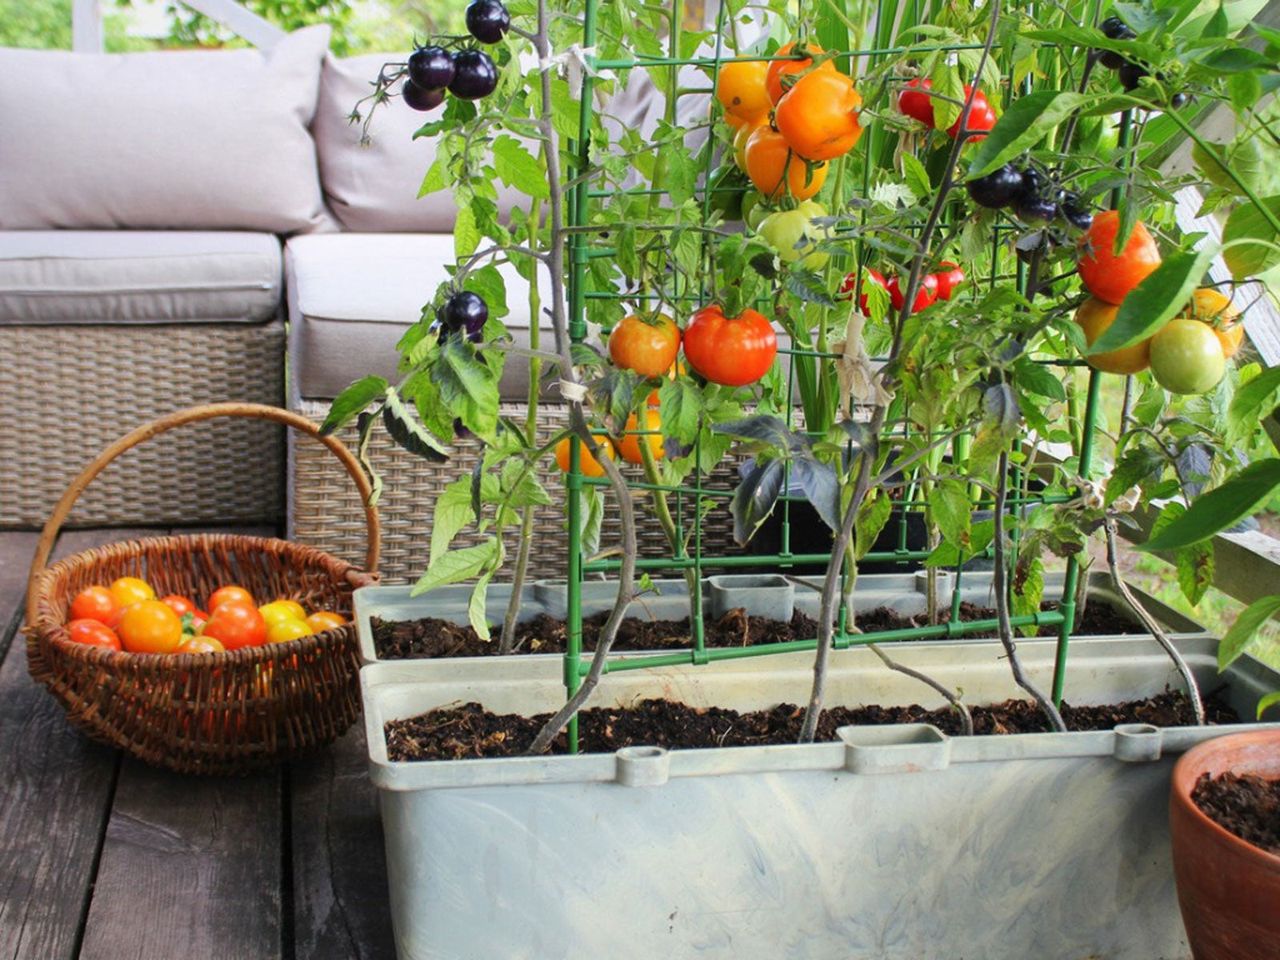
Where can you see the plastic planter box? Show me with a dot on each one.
(897, 843)
(904, 592)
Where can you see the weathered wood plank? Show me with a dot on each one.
(339, 867)
(190, 867)
(16, 547)
(53, 808)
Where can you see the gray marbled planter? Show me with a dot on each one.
(897, 843)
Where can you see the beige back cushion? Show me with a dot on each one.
(185, 140)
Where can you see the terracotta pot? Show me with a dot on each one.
(1229, 890)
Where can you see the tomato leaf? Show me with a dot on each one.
(592, 520)
(1023, 125)
(1243, 631)
(405, 429)
(1220, 508)
(755, 498)
(351, 401)
(518, 168)
(1270, 700)
(476, 607)
(1247, 222)
(1157, 299)
(872, 516)
(468, 386)
(1255, 399)
(821, 487)
(917, 177)
(454, 566)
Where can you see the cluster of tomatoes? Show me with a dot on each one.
(932, 288)
(1189, 354)
(127, 616)
(916, 101)
(790, 117)
(1031, 195)
(1130, 73)
(468, 74)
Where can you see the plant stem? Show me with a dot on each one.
(1148, 621)
(966, 718)
(1000, 587)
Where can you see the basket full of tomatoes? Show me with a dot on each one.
(203, 653)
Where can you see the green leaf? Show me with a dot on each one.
(592, 520)
(476, 607)
(1234, 59)
(917, 177)
(1243, 631)
(1036, 378)
(951, 510)
(872, 516)
(437, 176)
(351, 401)
(454, 566)
(1220, 508)
(1255, 399)
(1157, 299)
(467, 386)
(1028, 590)
(1245, 90)
(680, 407)
(1247, 222)
(1194, 564)
(405, 429)
(946, 84)
(364, 424)
(808, 287)
(519, 168)
(1270, 700)
(1023, 125)
(754, 499)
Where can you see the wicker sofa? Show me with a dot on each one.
(163, 223)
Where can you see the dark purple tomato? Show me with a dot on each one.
(1075, 212)
(1113, 28)
(1131, 74)
(431, 67)
(465, 310)
(1032, 209)
(420, 98)
(488, 20)
(1179, 100)
(460, 431)
(474, 75)
(998, 188)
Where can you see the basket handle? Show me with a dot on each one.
(251, 411)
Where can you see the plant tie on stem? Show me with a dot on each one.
(576, 63)
(573, 392)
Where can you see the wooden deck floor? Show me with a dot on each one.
(104, 858)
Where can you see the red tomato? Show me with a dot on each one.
(948, 279)
(981, 116)
(236, 625)
(1110, 276)
(150, 627)
(733, 351)
(915, 101)
(925, 295)
(94, 633)
(869, 277)
(178, 604)
(223, 594)
(95, 603)
(647, 345)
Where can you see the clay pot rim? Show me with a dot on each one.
(1181, 796)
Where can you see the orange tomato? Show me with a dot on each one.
(95, 603)
(781, 74)
(1095, 317)
(740, 88)
(323, 620)
(178, 604)
(236, 625)
(629, 445)
(588, 465)
(740, 138)
(150, 626)
(775, 170)
(1110, 276)
(1215, 308)
(647, 345)
(95, 633)
(127, 590)
(200, 645)
(819, 115)
(231, 592)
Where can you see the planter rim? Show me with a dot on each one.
(1190, 767)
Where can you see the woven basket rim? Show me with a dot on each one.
(51, 623)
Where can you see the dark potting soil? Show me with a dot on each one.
(1248, 806)
(431, 637)
(469, 731)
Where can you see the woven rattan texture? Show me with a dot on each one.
(67, 392)
(207, 713)
(326, 512)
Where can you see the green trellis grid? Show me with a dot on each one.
(580, 253)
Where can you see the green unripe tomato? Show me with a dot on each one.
(793, 235)
(755, 209)
(1187, 357)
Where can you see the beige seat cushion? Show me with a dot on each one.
(128, 276)
(351, 296)
(199, 140)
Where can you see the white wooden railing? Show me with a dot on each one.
(86, 23)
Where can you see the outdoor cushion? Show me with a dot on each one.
(125, 276)
(202, 140)
(351, 295)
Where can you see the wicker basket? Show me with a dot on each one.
(324, 510)
(206, 713)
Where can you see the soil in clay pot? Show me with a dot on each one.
(1247, 806)
(431, 637)
(469, 731)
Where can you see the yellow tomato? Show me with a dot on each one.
(129, 590)
(323, 620)
(278, 610)
(282, 631)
